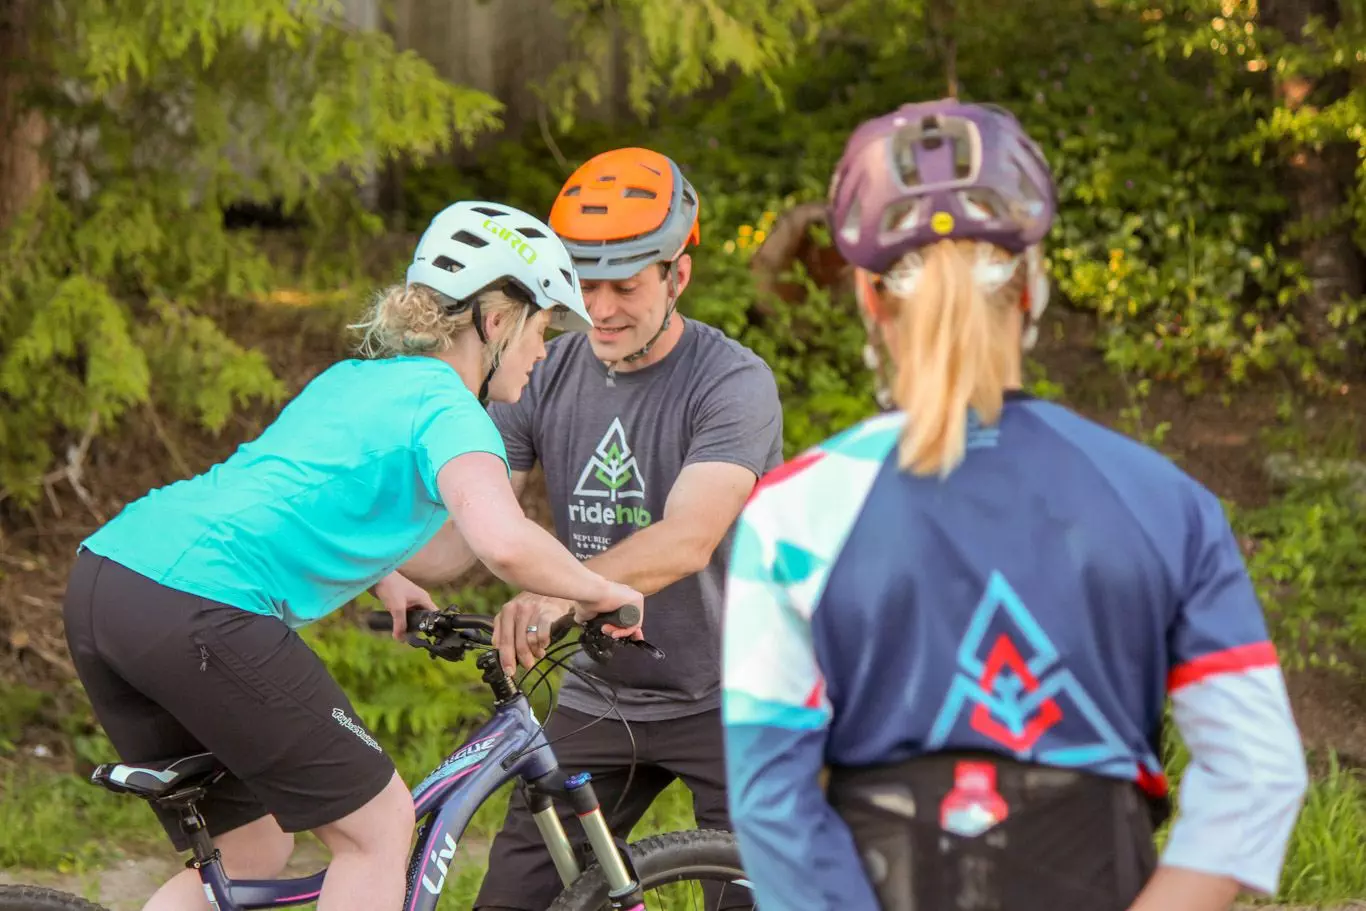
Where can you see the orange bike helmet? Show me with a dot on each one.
(624, 209)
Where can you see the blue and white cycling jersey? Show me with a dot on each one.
(1042, 603)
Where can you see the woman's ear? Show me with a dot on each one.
(493, 322)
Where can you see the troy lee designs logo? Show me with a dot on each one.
(345, 721)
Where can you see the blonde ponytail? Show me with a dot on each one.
(952, 350)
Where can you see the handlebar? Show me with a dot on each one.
(450, 633)
(439, 622)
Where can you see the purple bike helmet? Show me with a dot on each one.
(938, 170)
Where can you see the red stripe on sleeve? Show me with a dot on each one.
(786, 470)
(1229, 661)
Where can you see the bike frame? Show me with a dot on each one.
(444, 802)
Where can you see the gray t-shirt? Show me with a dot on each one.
(610, 451)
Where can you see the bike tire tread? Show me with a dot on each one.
(35, 898)
(653, 855)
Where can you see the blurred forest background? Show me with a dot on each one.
(196, 196)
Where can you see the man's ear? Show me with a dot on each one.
(684, 270)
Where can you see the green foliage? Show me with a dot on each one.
(21, 706)
(1307, 565)
(1169, 229)
(108, 282)
(672, 48)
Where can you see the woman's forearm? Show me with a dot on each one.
(445, 558)
(1179, 889)
(529, 557)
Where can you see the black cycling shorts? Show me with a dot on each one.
(170, 674)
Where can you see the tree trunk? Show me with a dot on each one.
(23, 130)
(1317, 180)
(942, 17)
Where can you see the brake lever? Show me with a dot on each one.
(599, 646)
(653, 651)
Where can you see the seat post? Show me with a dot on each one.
(197, 831)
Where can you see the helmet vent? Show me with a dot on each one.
(638, 193)
(530, 232)
(962, 158)
(929, 127)
(594, 210)
(647, 256)
(473, 240)
(492, 213)
(900, 215)
(574, 190)
(903, 153)
(850, 229)
(568, 276)
(654, 171)
(607, 178)
(445, 262)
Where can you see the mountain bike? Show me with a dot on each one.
(509, 745)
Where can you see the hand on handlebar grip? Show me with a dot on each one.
(398, 594)
(522, 629)
(618, 596)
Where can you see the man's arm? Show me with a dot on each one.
(447, 556)
(737, 429)
(704, 501)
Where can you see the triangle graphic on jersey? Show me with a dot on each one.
(999, 614)
(611, 472)
(1015, 693)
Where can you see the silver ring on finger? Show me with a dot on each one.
(531, 629)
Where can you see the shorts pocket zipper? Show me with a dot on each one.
(225, 667)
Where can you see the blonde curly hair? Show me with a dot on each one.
(417, 319)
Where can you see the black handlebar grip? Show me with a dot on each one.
(626, 616)
(384, 621)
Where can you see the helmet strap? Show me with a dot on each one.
(497, 355)
(663, 327)
(668, 315)
(876, 359)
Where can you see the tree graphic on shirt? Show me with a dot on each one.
(613, 467)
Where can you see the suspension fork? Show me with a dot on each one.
(623, 887)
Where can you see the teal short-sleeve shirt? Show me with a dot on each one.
(333, 496)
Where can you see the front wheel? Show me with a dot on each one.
(665, 864)
(32, 898)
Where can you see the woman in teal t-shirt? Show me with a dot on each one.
(191, 596)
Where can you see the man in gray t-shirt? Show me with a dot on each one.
(651, 432)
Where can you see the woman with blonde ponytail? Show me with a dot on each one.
(182, 612)
(971, 610)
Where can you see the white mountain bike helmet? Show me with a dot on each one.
(470, 247)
